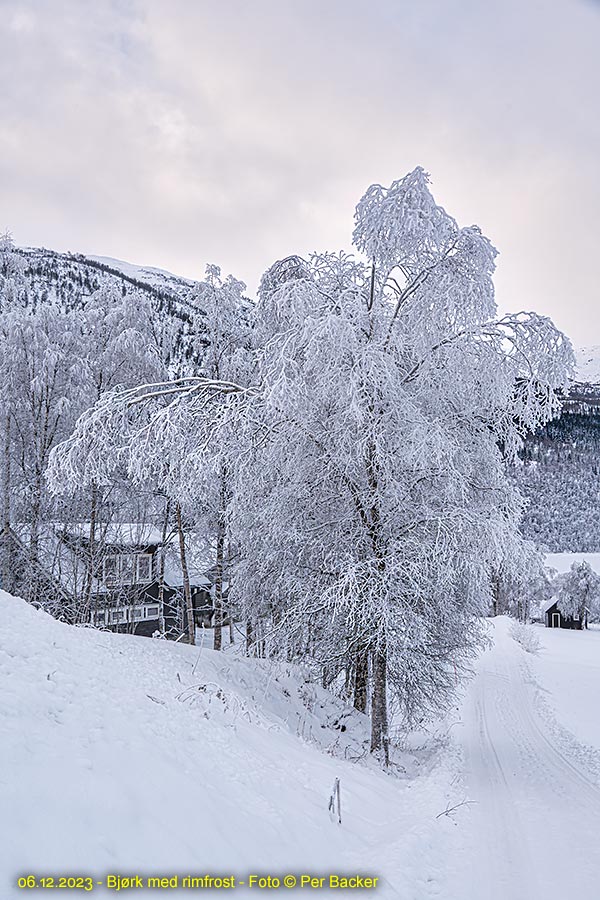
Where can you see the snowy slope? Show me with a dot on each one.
(147, 274)
(123, 754)
(588, 364)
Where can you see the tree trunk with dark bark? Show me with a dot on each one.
(187, 592)
(6, 474)
(361, 678)
(379, 714)
(86, 612)
(218, 620)
(161, 570)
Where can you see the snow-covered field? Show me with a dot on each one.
(535, 816)
(132, 756)
(562, 562)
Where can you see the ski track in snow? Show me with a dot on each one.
(536, 816)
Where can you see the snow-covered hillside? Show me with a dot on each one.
(588, 364)
(147, 274)
(123, 754)
(71, 277)
(562, 562)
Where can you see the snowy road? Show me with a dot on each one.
(536, 814)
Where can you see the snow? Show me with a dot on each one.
(147, 274)
(134, 534)
(535, 792)
(569, 670)
(588, 364)
(126, 755)
(546, 604)
(112, 759)
(562, 562)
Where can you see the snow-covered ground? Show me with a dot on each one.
(126, 755)
(535, 789)
(568, 674)
(588, 364)
(562, 562)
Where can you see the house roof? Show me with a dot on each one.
(121, 534)
(65, 562)
(545, 605)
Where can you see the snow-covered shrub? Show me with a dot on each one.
(526, 636)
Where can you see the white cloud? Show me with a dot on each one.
(181, 132)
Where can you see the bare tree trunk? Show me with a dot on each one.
(161, 570)
(361, 677)
(379, 713)
(218, 631)
(34, 537)
(42, 448)
(495, 595)
(259, 641)
(85, 613)
(249, 638)
(187, 593)
(6, 572)
(36, 513)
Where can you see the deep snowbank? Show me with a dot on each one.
(126, 755)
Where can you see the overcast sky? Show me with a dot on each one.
(179, 132)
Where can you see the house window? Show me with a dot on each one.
(127, 569)
(110, 570)
(144, 567)
(125, 614)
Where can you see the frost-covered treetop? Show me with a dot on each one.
(403, 225)
(418, 252)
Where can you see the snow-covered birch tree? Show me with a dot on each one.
(159, 434)
(41, 377)
(579, 592)
(377, 497)
(365, 451)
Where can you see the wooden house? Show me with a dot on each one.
(553, 618)
(114, 585)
